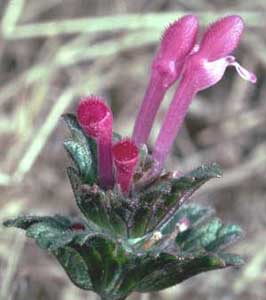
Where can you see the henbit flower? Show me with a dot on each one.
(202, 69)
(96, 119)
(176, 43)
(125, 155)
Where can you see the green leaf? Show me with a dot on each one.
(165, 196)
(232, 260)
(225, 236)
(99, 255)
(141, 266)
(203, 236)
(182, 189)
(104, 258)
(24, 222)
(193, 212)
(48, 236)
(82, 159)
(96, 205)
(50, 233)
(181, 269)
(75, 267)
(82, 149)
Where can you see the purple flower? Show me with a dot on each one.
(96, 119)
(177, 42)
(203, 68)
(199, 66)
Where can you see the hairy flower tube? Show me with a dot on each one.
(177, 41)
(125, 155)
(96, 119)
(203, 68)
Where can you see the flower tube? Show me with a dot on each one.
(96, 119)
(125, 154)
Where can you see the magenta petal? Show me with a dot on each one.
(202, 73)
(222, 37)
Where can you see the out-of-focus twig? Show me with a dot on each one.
(235, 126)
(13, 259)
(11, 15)
(118, 22)
(253, 166)
(254, 271)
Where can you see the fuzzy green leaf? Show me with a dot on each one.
(159, 202)
(179, 270)
(141, 267)
(50, 233)
(82, 150)
(193, 212)
(203, 236)
(232, 260)
(105, 260)
(182, 189)
(24, 222)
(225, 236)
(75, 267)
(96, 205)
(82, 159)
(48, 236)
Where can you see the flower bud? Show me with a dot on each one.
(177, 42)
(96, 119)
(125, 154)
(222, 37)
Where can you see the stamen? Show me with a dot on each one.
(244, 73)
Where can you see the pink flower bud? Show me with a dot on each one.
(222, 37)
(176, 43)
(96, 119)
(125, 154)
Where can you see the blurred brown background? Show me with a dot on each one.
(54, 51)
